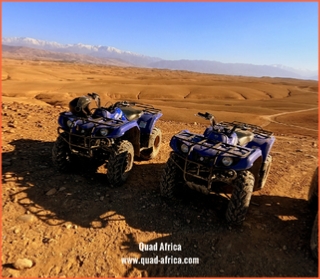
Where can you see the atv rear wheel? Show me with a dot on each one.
(119, 163)
(240, 199)
(155, 140)
(61, 154)
(171, 179)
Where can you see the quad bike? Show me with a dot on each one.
(313, 196)
(111, 136)
(228, 158)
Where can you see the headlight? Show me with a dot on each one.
(184, 148)
(69, 123)
(227, 161)
(104, 132)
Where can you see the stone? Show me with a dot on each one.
(21, 264)
(67, 226)
(51, 192)
(26, 218)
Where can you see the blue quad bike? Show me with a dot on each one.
(230, 158)
(110, 136)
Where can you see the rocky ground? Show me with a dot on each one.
(74, 225)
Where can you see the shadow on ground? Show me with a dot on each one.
(278, 226)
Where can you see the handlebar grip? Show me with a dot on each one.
(201, 114)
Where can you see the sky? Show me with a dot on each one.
(260, 33)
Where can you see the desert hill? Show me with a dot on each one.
(74, 225)
(56, 83)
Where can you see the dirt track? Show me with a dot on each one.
(74, 225)
(272, 118)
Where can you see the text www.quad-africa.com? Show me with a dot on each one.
(160, 260)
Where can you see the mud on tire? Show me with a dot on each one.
(119, 163)
(61, 154)
(240, 199)
(152, 152)
(171, 179)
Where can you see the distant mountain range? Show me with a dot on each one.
(29, 48)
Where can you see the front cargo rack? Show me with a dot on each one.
(229, 149)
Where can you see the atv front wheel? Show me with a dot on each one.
(61, 154)
(171, 179)
(240, 199)
(155, 140)
(119, 163)
(314, 238)
(313, 190)
(265, 171)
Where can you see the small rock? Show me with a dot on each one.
(62, 189)
(51, 192)
(123, 247)
(67, 226)
(299, 150)
(27, 218)
(23, 264)
(47, 240)
(101, 198)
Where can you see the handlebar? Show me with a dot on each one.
(206, 115)
(96, 98)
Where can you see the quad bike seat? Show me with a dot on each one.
(131, 113)
(244, 137)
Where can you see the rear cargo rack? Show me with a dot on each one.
(229, 149)
(145, 107)
(248, 127)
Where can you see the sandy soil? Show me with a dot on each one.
(74, 225)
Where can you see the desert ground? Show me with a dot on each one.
(75, 225)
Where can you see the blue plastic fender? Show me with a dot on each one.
(121, 130)
(147, 122)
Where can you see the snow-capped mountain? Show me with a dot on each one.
(139, 60)
(92, 50)
(301, 72)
